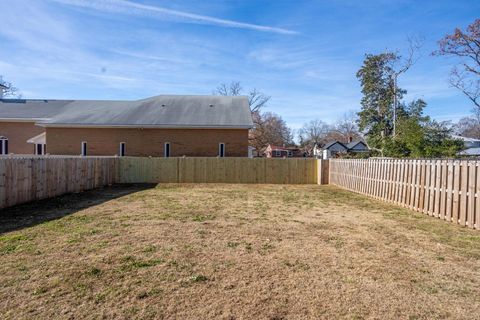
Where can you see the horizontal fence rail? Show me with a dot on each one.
(24, 179)
(445, 189)
(217, 170)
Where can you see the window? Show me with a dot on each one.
(3, 145)
(290, 153)
(84, 148)
(122, 149)
(221, 150)
(39, 149)
(166, 150)
(278, 153)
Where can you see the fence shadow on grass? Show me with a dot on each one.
(36, 212)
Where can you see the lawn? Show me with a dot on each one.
(233, 252)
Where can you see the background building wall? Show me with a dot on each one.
(148, 142)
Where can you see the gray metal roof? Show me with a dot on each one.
(470, 152)
(328, 145)
(159, 111)
(30, 109)
(354, 143)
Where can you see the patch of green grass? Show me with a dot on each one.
(94, 272)
(198, 278)
(131, 263)
(202, 217)
(81, 289)
(12, 243)
(150, 249)
(233, 244)
(146, 294)
(100, 298)
(40, 290)
(14, 238)
(300, 265)
(291, 197)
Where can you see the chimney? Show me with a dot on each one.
(350, 139)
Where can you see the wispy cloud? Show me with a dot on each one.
(129, 7)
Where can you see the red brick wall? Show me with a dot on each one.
(148, 142)
(18, 133)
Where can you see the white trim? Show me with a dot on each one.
(3, 150)
(41, 138)
(82, 148)
(165, 149)
(140, 126)
(42, 149)
(120, 149)
(220, 150)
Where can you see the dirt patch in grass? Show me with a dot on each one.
(233, 252)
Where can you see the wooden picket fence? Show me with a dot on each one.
(217, 170)
(24, 179)
(445, 189)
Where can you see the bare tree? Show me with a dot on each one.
(465, 46)
(347, 127)
(268, 127)
(400, 66)
(468, 127)
(314, 133)
(232, 89)
(273, 130)
(256, 99)
(8, 90)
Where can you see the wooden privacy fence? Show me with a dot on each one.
(445, 189)
(24, 179)
(28, 178)
(217, 170)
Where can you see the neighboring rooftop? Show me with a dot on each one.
(470, 152)
(354, 143)
(466, 139)
(160, 111)
(328, 145)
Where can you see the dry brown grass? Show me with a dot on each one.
(233, 252)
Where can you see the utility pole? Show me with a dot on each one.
(394, 104)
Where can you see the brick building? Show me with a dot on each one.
(196, 126)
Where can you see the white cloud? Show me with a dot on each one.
(129, 7)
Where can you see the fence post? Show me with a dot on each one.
(322, 171)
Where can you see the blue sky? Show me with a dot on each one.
(303, 53)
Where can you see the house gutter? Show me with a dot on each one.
(139, 126)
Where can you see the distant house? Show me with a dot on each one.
(472, 146)
(357, 146)
(283, 152)
(160, 126)
(335, 147)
